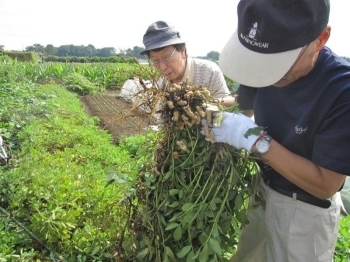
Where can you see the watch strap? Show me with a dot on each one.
(264, 136)
(261, 136)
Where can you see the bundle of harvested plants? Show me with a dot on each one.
(189, 204)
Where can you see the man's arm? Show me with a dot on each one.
(316, 180)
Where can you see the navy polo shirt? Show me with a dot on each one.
(310, 117)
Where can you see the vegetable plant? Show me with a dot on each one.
(189, 204)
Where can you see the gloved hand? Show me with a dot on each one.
(233, 129)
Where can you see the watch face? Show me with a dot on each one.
(262, 146)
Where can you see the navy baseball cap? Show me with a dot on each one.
(269, 37)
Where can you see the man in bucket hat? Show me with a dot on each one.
(167, 52)
(300, 93)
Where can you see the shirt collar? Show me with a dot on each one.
(189, 71)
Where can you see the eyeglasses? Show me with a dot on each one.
(165, 59)
(296, 61)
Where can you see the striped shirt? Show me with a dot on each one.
(207, 74)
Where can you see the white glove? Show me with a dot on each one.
(233, 129)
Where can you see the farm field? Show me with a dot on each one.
(116, 115)
(78, 180)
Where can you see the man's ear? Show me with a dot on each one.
(323, 38)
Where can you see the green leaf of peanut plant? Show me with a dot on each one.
(253, 131)
(177, 233)
(184, 251)
(214, 245)
(170, 253)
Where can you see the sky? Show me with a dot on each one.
(205, 25)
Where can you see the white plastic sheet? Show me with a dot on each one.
(134, 92)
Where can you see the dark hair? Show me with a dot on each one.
(177, 46)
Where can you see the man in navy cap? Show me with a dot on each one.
(299, 91)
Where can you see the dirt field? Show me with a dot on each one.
(116, 115)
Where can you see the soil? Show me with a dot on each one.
(116, 115)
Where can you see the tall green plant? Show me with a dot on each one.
(59, 189)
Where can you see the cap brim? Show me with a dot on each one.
(254, 69)
(163, 44)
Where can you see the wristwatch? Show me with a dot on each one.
(262, 145)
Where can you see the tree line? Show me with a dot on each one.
(90, 51)
(80, 51)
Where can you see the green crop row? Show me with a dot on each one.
(58, 183)
(92, 77)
